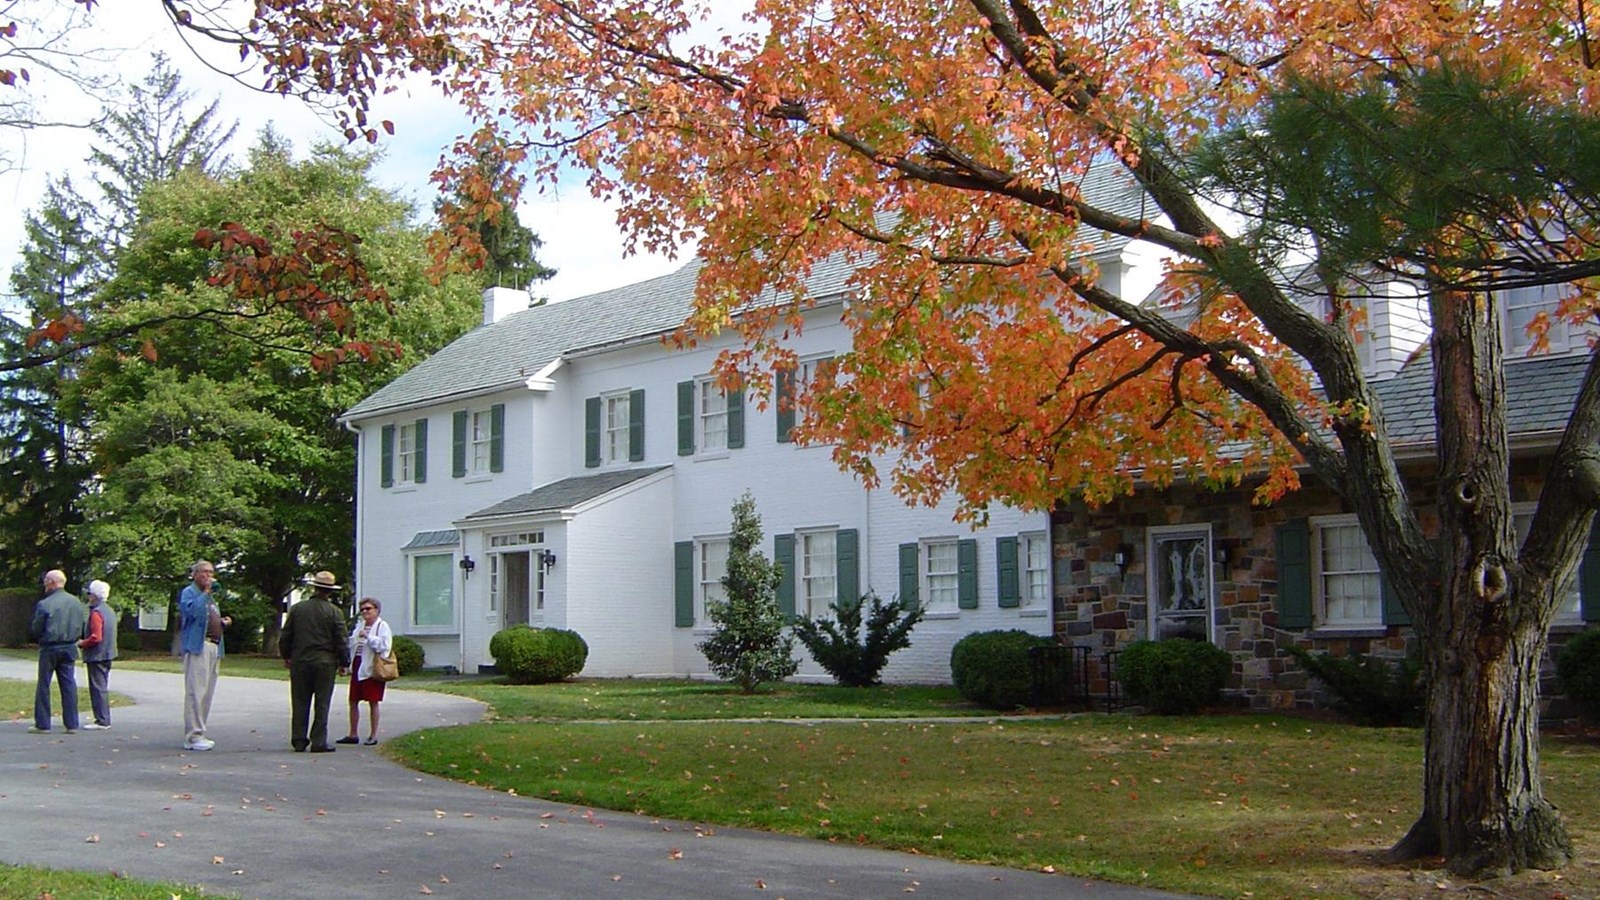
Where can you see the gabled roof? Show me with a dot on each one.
(1539, 395)
(504, 355)
(563, 494)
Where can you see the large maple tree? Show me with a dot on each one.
(943, 148)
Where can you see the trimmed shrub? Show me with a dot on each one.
(128, 640)
(1370, 690)
(1173, 677)
(993, 668)
(837, 645)
(1578, 671)
(408, 654)
(527, 655)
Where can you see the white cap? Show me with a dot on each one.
(100, 589)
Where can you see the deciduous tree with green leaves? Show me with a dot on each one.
(748, 646)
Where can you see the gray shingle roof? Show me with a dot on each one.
(503, 355)
(564, 494)
(447, 538)
(1539, 395)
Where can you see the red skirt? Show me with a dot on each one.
(370, 691)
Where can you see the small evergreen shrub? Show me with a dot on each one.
(1369, 689)
(408, 654)
(837, 646)
(1173, 677)
(1578, 671)
(993, 667)
(748, 646)
(128, 639)
(527, 655)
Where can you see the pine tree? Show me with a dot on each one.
(749, 646)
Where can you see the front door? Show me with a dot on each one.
(515, 568)
(1180, 582)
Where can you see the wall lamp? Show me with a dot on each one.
(467, 565)
(547, 558)
(1123, 557)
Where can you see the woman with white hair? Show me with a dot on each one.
(99, 649)
(369, 639)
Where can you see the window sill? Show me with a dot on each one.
(1568, 626)
(406, 488)
(933, 615)
(1336, 632)
(423, 633)
(477, 478)
(710, 455)
(1031, 613)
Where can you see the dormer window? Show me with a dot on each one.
(1523, 305)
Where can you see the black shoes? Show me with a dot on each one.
(323, 749)
(350, 739)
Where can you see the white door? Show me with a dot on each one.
(1180, 582)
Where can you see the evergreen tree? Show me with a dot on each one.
(152, 136)
(508, 245)
(749, 647)
(43, 464)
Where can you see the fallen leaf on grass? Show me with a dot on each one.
(425, 890)
(92, 839)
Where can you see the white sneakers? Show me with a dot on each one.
(199, 744)
(95, 726)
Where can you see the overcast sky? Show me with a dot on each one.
(580, 235)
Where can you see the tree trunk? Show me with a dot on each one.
(1484, 629)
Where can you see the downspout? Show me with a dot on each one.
(361, 510)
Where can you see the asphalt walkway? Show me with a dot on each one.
(253, 819)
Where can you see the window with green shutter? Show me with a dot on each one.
(686, 418)
(386, 456)
(1589, 577)
(1008, 582)
(910, 575)
(683, 584)
(849, 558)
(636, 425)
(1293, 540)
(783, 556)
(419, 473)
(967, 572)
(591, 432)
(785, 405)
(458, 444)
(497, 437)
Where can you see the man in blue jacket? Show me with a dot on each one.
(200, 627)
(57, 626)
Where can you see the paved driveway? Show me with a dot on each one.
(253, 819)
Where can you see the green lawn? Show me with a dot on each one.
(16, 702)
(30, 881)
(1225, 805)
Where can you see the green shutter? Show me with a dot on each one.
(497, 437)
(847, 553)
(458, 444)
(786, 406)
(685, 418)
(736, 419)
(636, 425)
(1005, 553)
(1589, 577)
(910, 575)
(1294, 574)
(1394, 612)
(591, 432)
(967, 573)
(683, 583)
(386, 463)
(783, 556)
(420, 461)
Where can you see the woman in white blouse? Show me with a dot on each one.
(369, 639)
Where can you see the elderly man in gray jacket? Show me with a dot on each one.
(57, 626)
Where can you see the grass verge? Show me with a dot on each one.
(31, 881)
(1232, 806)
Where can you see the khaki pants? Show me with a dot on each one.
(199, 683)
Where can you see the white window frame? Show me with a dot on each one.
(816, 554)
(710, 416)
(1346, 524)
(1571, 610)
(1532, 300)
(405, 453)
(615, 427)
(480, 441)
(412, 560)
(1033, 565)
(935, 584)
(709, 569)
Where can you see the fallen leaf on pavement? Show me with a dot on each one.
(92, 839)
